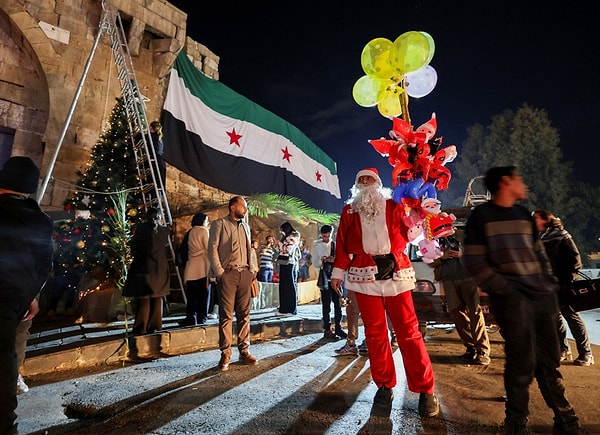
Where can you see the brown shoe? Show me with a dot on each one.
(248, 359)
(224, 362)
(429, 405)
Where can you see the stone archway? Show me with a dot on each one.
(24, 99)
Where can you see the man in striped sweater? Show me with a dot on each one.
(504, 255)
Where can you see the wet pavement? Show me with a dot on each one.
(81, 375)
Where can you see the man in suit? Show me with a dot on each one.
(232, 263)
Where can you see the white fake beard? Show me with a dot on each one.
(369, 200)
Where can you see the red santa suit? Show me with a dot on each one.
(360, 242)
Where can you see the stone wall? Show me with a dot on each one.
(45, 46)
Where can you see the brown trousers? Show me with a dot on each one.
(234, 296)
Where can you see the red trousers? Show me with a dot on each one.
(401, 311)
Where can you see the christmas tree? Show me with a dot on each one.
(107, 203)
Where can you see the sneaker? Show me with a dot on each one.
(429, 405)
(584, 361)
(384, 396)
(341, 333)
(363, 349)
(482, 359)
(329, 334)
(516, 427)
(224, 362)
(248, 359)
(347, 349)
(213, 316)
(566, 355)
(567, 424)
(469, 355)
(21, 385)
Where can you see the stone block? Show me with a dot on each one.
(24, 21)
(162, 63)
(145, 346)
(136, 34)
(65, 360)
(43, 50)
(186, 341)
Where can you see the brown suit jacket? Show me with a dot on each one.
(220, 246)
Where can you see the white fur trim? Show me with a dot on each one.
(407, 274)
(369, 173)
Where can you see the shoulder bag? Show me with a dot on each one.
(582, 294)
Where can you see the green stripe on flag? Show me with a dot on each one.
(227, 102)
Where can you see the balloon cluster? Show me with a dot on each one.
(394, 71)
(419, 171)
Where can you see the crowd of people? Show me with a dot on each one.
(520, 259)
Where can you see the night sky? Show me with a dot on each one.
(300, 61)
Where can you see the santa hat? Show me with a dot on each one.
(371, 172)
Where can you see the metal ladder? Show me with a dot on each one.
(151, 183)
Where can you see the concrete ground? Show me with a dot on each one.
(299, 386)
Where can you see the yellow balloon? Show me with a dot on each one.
(389, 105)
(375, 58)
(411, 51)
(367, 89)
(431, 46)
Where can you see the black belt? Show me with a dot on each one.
(236, 268)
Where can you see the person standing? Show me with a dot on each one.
(352, 315)
(370, 256)
(288, 259)
(230, 255)
(148, 278)
(26, 253)
(156, 134)
(305, 262)
(324, 255)
(265, 254)
(462, 297)
(195, 274)
(566, 262)
(505, 257)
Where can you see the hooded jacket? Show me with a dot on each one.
(25, 252)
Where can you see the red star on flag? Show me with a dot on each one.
(318, 175)
(234, 138)
(286, 154)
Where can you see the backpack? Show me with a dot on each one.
(181, 256)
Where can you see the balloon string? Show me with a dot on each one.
(404, 102)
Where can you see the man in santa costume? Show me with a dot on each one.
(370, 255)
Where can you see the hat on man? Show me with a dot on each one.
(20, 174)
(371, 172)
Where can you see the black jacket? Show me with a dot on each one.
(25, 252)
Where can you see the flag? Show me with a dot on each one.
(223, 139)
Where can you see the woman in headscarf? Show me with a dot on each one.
(288, 259)
(195, 275)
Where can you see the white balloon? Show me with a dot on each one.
(420, 82)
